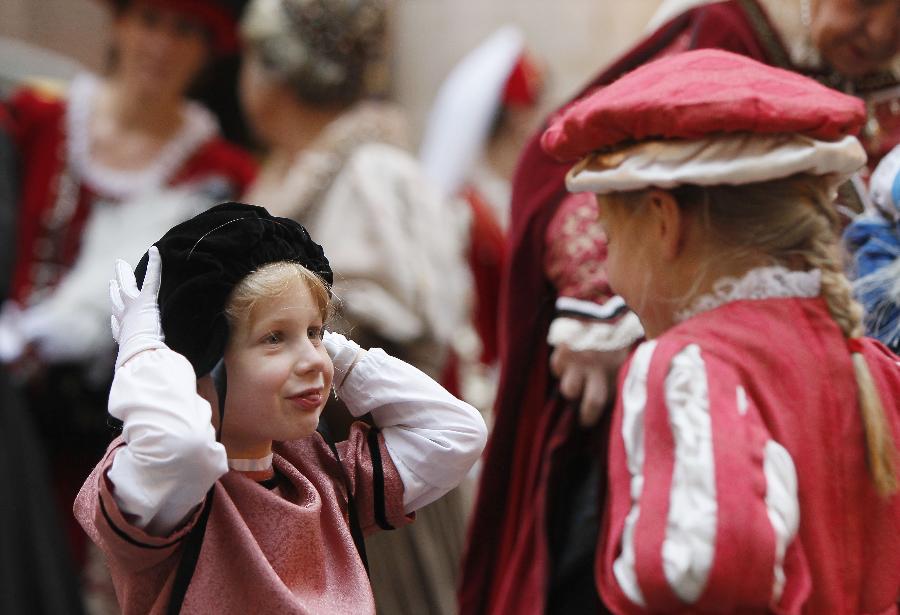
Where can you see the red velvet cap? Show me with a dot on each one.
(697, 94)
(219, 17)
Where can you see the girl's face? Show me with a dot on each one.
(626, 261)
(856, 36)
(160, 51)
(279, 374)
(637, 265)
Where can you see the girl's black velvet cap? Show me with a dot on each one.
(205, 257)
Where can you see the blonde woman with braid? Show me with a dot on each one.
(752, 461)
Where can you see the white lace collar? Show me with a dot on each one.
(760, 283)
(198, 127)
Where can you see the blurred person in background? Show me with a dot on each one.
(483, 114)
(36, 576)
(564, 334)
(850, 45)
(105, 166)
(338, 162)
(873, 240)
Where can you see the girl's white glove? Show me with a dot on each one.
(135, 318)
(344, 353)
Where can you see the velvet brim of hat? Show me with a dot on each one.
(724, 159)
(204, 258)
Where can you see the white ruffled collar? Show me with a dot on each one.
(198, 127)
(759, 283)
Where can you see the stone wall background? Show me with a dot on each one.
(574, 38)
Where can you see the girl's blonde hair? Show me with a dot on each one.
(793, 222)
(270, 281)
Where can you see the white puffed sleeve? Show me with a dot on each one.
(700, 532)
(171, 457)
(433, 437)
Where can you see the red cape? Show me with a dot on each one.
(506, 561)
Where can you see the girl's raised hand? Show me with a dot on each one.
(344, 354)
(135, 320)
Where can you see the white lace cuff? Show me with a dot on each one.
(579, 335)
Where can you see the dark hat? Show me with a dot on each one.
(219, 17)
(205, 257)
(327, 51)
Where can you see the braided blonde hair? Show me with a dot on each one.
(793, 221)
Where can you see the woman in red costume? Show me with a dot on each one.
(105, 167)
(520, 558)
(115, 140)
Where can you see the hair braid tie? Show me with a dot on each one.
(880, 447)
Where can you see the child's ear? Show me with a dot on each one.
(669, 221)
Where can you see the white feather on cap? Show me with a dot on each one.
(461, 116)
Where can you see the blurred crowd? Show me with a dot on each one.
(459, 252)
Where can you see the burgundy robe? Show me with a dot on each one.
(506, 564)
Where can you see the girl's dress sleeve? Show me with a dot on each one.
(703, 502)
(589, 315)
(432, 438)
(143, 493)
(373, 478)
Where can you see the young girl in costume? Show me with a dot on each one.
(753, 461)
(245, 507)
(312, 86)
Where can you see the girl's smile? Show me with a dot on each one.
(279, 373)
(309, 399)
